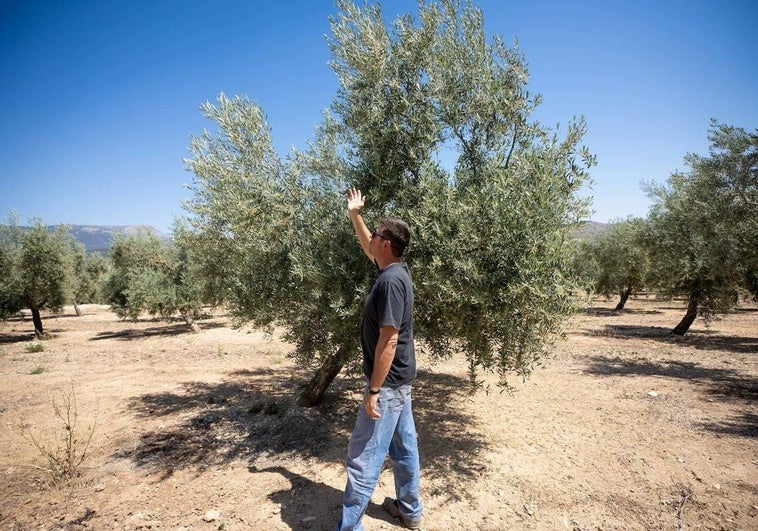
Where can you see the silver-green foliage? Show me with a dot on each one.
(149, 275)
(488, 252)
(37, 269)
(616, 261)
(89, 273)
(703, 225)
(11, 290)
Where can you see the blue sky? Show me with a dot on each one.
(98, 99)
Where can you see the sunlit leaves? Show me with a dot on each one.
(152, 276)
(615, 261)
(704, 222)
(37, 267)
(488, 247)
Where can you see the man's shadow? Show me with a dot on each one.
(310, 505)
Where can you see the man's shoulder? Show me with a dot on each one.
(396, 271)
(397, 280)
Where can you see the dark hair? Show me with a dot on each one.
(397, 232)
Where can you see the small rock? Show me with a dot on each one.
(99, 488)
(307, 519)
(717, 486)
(211, 515)
(653, 394)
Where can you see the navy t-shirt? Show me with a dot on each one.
(390, 303)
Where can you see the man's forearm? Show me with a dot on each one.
(361, 231)
(383, 356)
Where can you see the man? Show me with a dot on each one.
(385, 420)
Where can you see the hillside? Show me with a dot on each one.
(590, 229)
(98, 238)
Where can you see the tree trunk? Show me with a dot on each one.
(39, 331)
(77, 310)
(689, 317)
(190, 321)
(624, 297)
(313, 393)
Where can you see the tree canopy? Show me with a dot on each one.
(616, 261)
(149, 275)
(37, 269)
(489, 230)
(703, 225)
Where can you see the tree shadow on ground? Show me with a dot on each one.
(601, 311)
(308, 504)
(155, 331)
(451, 445)
(744, 425)
(252, 416)
(701, 340)
(727, 385)
(21, 337)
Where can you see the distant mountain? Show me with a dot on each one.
(590, 229)
(99, 237)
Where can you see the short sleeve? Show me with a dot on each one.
(391, 305)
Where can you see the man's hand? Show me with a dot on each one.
(371, 405)
(355, 201)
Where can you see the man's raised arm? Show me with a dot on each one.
(355, 202)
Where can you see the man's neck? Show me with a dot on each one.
(388, 263)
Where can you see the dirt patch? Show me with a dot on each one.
(626, 427)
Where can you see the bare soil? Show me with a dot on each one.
(625, 427)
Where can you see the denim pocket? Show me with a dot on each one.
(393, 399)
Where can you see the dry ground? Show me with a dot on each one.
(627, 427)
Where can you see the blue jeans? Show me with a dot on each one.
(395, 432)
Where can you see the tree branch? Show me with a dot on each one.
(513, 145)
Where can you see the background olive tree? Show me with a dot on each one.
(490, 229)
(703, 226)
(37, 269)
(10, 281)
(615, 261)
(152, 276)
(88, 276)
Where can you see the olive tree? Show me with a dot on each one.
(703, 225)
(731, 170)
(10, 282)
(89, 272)
(36, 269)
(149, 275)
(616, 261)
(489, 231)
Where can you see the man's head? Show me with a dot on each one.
(396, 232)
